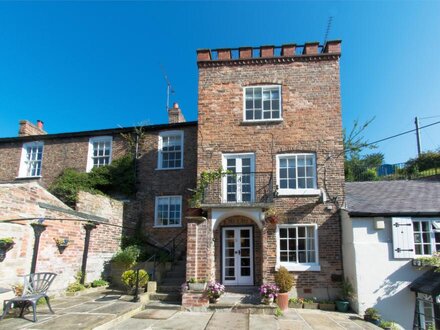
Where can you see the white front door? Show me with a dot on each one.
(238, 261)
(238, 187)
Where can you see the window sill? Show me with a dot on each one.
(170, 226)
(168, 169)
(299, 192)
(294, 267)
(28, 177)
(259, 122)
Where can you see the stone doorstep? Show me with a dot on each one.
(243, 308)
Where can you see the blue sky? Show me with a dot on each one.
(92, 65)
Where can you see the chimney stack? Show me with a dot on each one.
(26, 128)
(175, 114)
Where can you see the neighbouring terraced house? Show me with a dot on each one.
(270, 117)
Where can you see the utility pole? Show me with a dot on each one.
(419, 142)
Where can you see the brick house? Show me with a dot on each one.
(271, 118)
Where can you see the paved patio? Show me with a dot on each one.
(292, 319)
(113, 310)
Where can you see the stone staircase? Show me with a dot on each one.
(168, 289)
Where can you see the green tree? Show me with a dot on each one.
(359, 167)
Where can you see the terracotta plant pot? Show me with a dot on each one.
(283, 301)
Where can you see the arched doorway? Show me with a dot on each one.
(238, 251)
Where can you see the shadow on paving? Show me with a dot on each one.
(87, 311)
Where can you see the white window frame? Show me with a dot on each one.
(296, 266)
(263, 119)
(24, 164)
(90, 151)
(156, 219)
(225, 158)
(432, 232)
(160, 146)
(297, 191)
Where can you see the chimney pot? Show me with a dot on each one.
(175, 114)
(26, 128)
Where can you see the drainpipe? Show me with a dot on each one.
(88, 227)
(38, 230)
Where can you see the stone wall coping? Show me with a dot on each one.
(83, 215)
(196, 219)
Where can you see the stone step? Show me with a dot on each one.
(169, 288)
(170, 297)
(174, 273)
(173, 281)
(243, 308)
(163, 305)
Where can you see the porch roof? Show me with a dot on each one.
(428, 283)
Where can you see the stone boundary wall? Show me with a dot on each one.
(21, 201)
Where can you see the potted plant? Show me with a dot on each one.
(6, 244)
(296, 302)
(343, 303)
(327, 305)
(268, 293)
(214, 291)
(311, 303)
(197, 285)
(372, 315)
(285, 282)
(271, 216)
(129, 279)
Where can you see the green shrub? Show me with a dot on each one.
(427, 160)
(129, 278)
(98, 283)
(116, 178)
(126, 257)
(283, 280)
(278, 312)
(75, 287)
(347, 291)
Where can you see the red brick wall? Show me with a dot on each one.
(311, 123)
(20, 201)
(58, 154)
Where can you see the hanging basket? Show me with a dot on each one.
(4, 248)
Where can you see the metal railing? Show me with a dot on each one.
(171, 248)
(240, 188)
(386, 172)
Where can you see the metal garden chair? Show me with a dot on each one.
(35, 287)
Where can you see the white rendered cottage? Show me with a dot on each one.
(385, 225)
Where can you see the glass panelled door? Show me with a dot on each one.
(238, 186)
(238, 256)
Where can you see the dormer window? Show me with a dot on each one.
(262, 103)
